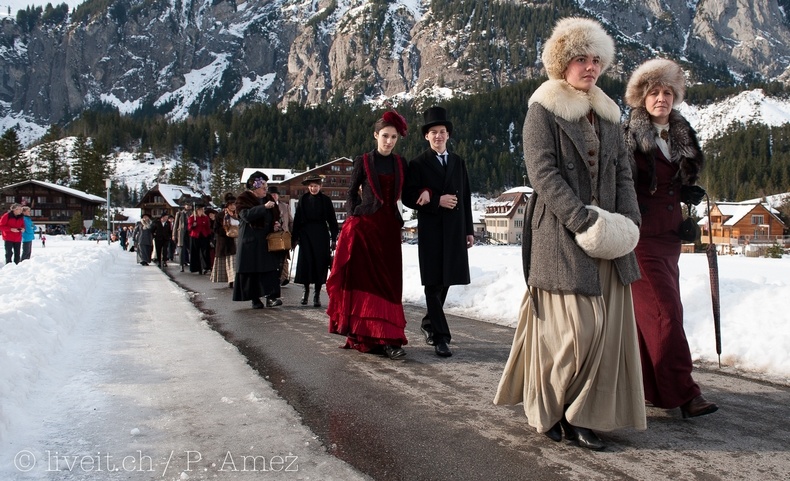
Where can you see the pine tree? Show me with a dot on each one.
(13, 165)
(90, 168)
(75, 224)
(53, 167)
(225, 177)
(184, 173)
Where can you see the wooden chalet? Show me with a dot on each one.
(738, 224)
(168, 198)
(51, 204)
(336, 174)
(504, 218)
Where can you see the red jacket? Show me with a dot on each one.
(10, 221)
(199, 226)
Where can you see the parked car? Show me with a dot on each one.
(96, 236)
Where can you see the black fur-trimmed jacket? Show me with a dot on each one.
(640, 136)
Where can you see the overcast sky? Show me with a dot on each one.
(23, 4)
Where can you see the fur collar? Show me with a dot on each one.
(684, 146)
(568, 103)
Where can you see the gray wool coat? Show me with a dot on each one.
(556, 154)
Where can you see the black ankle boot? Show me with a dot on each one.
(555, 433)
(317, 296)
(306, 294)
(583, 437)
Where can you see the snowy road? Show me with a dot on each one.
(431, 418)
(111, 371)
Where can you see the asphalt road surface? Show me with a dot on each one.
(428, 418)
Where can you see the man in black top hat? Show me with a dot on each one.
(437, 187)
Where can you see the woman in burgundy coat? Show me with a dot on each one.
(667, 160)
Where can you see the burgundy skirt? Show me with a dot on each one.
(365, 285)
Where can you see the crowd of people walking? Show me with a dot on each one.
(600, 330)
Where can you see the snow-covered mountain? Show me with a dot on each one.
(179, 58)
(750, 107)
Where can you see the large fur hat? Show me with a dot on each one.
(652, 73)
(572, 37)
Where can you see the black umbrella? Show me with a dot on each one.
(713, 269)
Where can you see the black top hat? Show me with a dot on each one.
(436, 116)
(256, 176)
(313, 179)
(274, 190)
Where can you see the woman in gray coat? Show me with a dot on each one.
(574, 362)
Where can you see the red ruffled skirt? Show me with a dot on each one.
(365, 285)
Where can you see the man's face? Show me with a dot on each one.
(437, 136)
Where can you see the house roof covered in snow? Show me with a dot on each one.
(61, 188)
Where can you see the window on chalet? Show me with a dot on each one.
(336, 168)
(41, 199)
(758, 219)
(57, 199)
(10, 199)
(26, 199)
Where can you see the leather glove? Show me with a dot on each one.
(691, 194)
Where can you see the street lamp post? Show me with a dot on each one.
(108, 183)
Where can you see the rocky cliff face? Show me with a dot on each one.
(182, 57)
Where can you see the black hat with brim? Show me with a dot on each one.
(313, 179)
(436, 116)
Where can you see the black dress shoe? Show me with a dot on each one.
(394, 352)
(699, 406)
(257, 304)
(285, 282)
(442, 349)
(555, 433)
(428, 336)
(582, 437)
(274, 302)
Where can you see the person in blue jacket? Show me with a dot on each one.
(29, 235)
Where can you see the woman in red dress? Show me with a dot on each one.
(366, 281)
(666, 165)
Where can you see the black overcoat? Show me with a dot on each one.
(314, 227)
(255, 223)
(441, 232)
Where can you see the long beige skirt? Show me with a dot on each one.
(579, 351)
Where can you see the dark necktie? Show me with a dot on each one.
(443, 159)
(664, 134)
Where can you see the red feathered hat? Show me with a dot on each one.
(396, 120)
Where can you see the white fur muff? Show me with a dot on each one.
(611, 236)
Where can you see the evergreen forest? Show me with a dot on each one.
(741, 164)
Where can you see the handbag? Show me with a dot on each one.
(279, 241)
(232, 231)
(689, 231)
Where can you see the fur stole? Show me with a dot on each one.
(684, 146)
(568, 103)
(246, 200)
